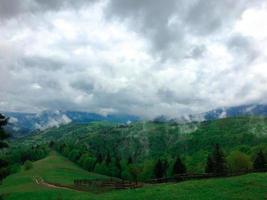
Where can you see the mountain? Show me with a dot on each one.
(219, 113)
(244, 110)
(235, 111)
(152, 140)
(25, 123)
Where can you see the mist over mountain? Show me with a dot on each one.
(235, 111)
(244, 110)
(25, 123)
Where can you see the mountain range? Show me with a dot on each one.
(224, 112)
(24, 123)
(21, 124)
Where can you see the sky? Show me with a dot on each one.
(140, 57)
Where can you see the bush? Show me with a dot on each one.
(87, 162)
(238, 161)
(28, 165)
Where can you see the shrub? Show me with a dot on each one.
(28, 165)
(238, 161)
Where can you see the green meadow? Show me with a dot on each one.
(57, 169)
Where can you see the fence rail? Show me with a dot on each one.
(184, 177)
(107, 184)
(123, 184)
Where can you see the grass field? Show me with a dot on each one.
(57, 169)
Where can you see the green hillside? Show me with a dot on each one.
(57, 169)
(153, 138)
(149, 140)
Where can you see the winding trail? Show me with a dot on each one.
(41, 181)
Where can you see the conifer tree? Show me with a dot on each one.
(260, 162)
(118, 167)
(3, 136)
(108, 159)
(220, 167)
(210, 165)
(178, 167)
(165, 167)
(158, 169)
(216, 162)
(99, 158)
(130, 160)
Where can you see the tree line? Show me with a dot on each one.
(217, 163)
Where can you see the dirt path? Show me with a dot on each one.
(40, 181)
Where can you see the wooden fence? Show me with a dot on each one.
(110, 184)
(123, 184)
(184, 177)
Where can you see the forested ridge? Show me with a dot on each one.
(147, 150)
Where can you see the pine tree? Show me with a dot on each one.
(216, 162)
(210, 165)
(165, 165)
(158, 169)
(108, 159)
(3, 136)
(130, 160)
(51, 144)
(99, 158)
(178, 167)
(260, 161)
(118, 167)
(219, 161)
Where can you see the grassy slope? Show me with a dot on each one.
(54, 168)
(57, 169)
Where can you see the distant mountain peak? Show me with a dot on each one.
(25, 123)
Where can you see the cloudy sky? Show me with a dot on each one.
(142, 57)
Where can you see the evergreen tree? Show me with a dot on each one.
(51, 144)
(118, 167)
(130, 160)
(165, 165)
(216, 163)
(178, 167)
(210, 165)
(260, 161)
(158, 169)
(99, 158)
(108, 159)
(3, 136)
(220, 166)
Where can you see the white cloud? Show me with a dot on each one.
(253, 23)
(133, 57)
